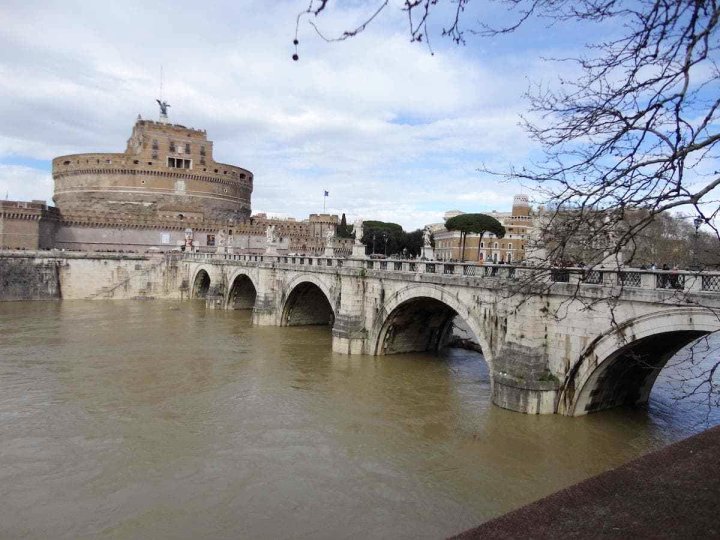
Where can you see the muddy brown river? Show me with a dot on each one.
(164, 420)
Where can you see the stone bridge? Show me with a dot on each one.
(568, 342)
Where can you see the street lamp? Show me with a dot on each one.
(697, 222)
(385, 239)
(373, 244)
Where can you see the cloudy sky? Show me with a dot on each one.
(391, 131)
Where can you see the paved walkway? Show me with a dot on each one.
(671, 493)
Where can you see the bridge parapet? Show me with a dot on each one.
(586, 279)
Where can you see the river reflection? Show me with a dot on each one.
(154, 420)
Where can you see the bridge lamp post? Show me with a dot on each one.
(385, 239)
(697, 222)
(373, 250)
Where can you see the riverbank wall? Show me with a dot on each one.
(54, 275)
(670, 493)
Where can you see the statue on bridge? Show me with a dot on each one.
(427, 236)
(272, 239)
(270, 234)
(358, 249)
(220, 241)
(427, 250)
(358, 230)
(188, 240)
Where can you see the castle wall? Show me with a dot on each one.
(27, 225)
(119, 187)
(80, 238)
(167, 170)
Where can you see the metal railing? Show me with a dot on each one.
(629, 279)
(592, 277)
(711, 283)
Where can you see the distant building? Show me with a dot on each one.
(27, 225)
(518, 224)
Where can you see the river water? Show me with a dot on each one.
(164, 420)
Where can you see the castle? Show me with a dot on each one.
(148, 197)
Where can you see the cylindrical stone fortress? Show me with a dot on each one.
(166, 172)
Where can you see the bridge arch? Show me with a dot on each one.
(200, 283)
(418, 317)
(620, 366)
(242, 292)
(308, 302)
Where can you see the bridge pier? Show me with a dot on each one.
(349, 332)
(266, 311)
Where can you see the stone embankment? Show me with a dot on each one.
(671, 493)
(52, 275)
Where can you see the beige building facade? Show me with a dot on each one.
(512, 248)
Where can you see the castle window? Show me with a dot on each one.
(135, 161)
(179, 163)
(187, 148)
(172, 147)
(66, 163)
(202, 161)
(155, 145)
(202, 150)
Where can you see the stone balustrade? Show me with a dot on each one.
(680, 280)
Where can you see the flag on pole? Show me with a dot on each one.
(327, 193)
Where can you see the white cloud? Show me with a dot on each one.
(393, 132)
(25, 183)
